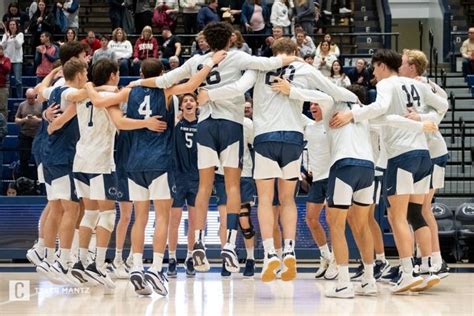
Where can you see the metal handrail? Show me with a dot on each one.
(452, 99)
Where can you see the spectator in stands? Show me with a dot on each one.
(173, 62)
(11, 190)
(12, 42)
(303, 49)
(92, 43)
(70, 36)
(28, 116)
(334, 49)
(338, 76)
(318, 21)
(122, 49)
(324, 59)
(104, 52)
(253, 18)
(281, 15)
(340, 3)
(116, 11)
(42, 21)
(170, 45)
(190, 12)
(359, 74)
(309, 59)
(3, 133)
(14, 14)
(203, 47)
(237, 42)
(32, 8)
(467, 52)
(46, 54)
(307, 40)
(305, 15)
(207, 15)
(277, 32)
(71, 10)
(165, 15)
(5, 67)
(143, 14)
(146, 46)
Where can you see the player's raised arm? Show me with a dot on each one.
(41, 87)
(106, 101)
(122, 122)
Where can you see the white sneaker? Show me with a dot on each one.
(230, 259)
(100, 275)
(79, 273)
(34, 257)
(366, 287)
(270, 264)
(44, 269)
(332, 272)
(326, 12)
(158, 281)
(118, 270)
(429, 281)
(323, 266)
(344, 11)
(64, 273)
(289, 266)
(137, 279)
(406, 282)
(341, 291)
(201, 264)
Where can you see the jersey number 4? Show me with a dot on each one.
(144, 107)
(412, 96)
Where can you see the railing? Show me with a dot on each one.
(435, 56)
(446, 10)
(443, 79)
(431, 42)
(452, 99)
(420, 31)
(462, 129)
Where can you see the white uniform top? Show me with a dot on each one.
(95, 148)
(247, 169)
(319, 151)
(228, 71)
(394, 95)
(378, 147)
(274, 111)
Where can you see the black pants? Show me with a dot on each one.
(24, 147)
(141, 20)
(190, 23)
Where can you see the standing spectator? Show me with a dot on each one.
(104, 51)
(340, 3)
(165, 15)
(5, 67)
(338, 76)
(303, 48)
(467, 52)
(14, 14)
(60, 20)
(174, 62)
(237, 42)
(280, 15)
(28, 116)
(277, 32)
(146, 46)
(253, 18)
(143, 14)
(46, 54)
(92, 43)
(3, 133)
(116, 11)
(207, 14)
(305, 14)
(12, 42)
(32, 8)
(70, 36)
(318, 21)
(324, 59)
(170, 45)
(71, 10)
(202, 46)
(122, 49)
(42, 21)
(190, 11)
(334, 49)
(359, 75)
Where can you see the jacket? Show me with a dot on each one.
(45, 61)
(5, 67)
(145, 48)
(305, 13)
(247, 12)
(280, 15)
(13, 47)
(205, 16)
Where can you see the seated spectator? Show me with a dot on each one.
(207, 14)
(165, 15)
(46, 54)
(5, 67)
(12, 42)
(28, 116)
(71, 11)
(122, 49)
(303, 49)
(11, 190)
(237, 43)
(173, 62)
(69, 37)
(309, 59)
(359, 75)
(280, 15)
(42, 21)
(307, 40)
(190, 12)
(92, 43)
(334, 49)
(277, 32)
(253, 18)
(304, 15)
(202, 46)
(170, 45)
(14, 14)
(104, 52)
(146, 46)
(341, 4)
(338, 76)
(467, 52)
(324, 59)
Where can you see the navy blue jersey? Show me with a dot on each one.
(122, 150)
(41, 138)
(61, 145)
(185, 149)
(149, 150)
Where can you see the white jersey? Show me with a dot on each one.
(274, 111)
(394, 95)
(319, 152)
(247, 169)
(227, 71)
(378, 147)
(95, 148)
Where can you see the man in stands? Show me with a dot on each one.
(92, 43)
(46, 54)
(359, 75)
(467, 52)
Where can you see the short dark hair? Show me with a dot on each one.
(104, 37)
(151, 67)
(47, 34)
(102, 70)
(72, 67)
(181, 97)
(389, 57)
(71, 49)
(218, 34)
(359, 91)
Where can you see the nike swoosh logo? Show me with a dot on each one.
(388, 189)
(364, 285)
(341, 289)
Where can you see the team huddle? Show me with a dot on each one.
(148, 142)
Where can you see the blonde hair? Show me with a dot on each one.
(147, 28)
(417, 58)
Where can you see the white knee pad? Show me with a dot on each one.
(107, 220)
(90, 219)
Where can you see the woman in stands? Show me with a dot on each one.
(238, 43)
(42, 21)
(12, 42)
(333, 48)
(123, 50)
(338, 76)
(253, 18)
(145, 47)
(70, 36)
(280, 16)
(324, 59)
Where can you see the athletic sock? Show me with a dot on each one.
(157, 264)
(343, 276)
(425, 263)
(368, 271)
(380, 257)
(65, 256)
(250, 253)
(231, 236)
(50, 255)
(436, 259)
(407, 265)
(83, 253)
(172, 254)
(279, 252)
(189, 254)
(199, 236)
(100, 256)
(75, 242)
(289, 245)
(325, 252)
(268, 246)
(118, 256)
(40, 247)
(138, 261)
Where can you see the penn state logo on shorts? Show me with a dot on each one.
(114, 192)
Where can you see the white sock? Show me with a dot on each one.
(343, 276)
(40, 247)
(83, 253)
(407, 265)
(325, 252)
(199, 236)
(425, 263)
(40, 242)
(189, 255)
(436, 259)
(418, 251)
(172, 254)
(118, 256)
(368, 271)
(231, 236)
(380, 257)
(100, 256)
(138, 261)
(279, 252)
(65, 256)
(250, 253)
(157, 264)
(289, 245)
(268, 246)
(50, 255)
(75, 242)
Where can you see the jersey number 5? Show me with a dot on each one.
(144, 107)
(412, 96)
(189, 139)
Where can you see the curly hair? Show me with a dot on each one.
(217, 35)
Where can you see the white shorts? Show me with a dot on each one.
(149, 185)
(40, 173)
(439, 171)
(98, 187)
(277, 160)
(60, 183)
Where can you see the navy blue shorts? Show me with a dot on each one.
(277, 160)
(122, 186)
(185, 192)
(439, 171)
(248, 190)
(318, 191)
(379, 188)
(59, 181)
(150, 185)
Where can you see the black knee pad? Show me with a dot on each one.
(415, 216)
(247, 232)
